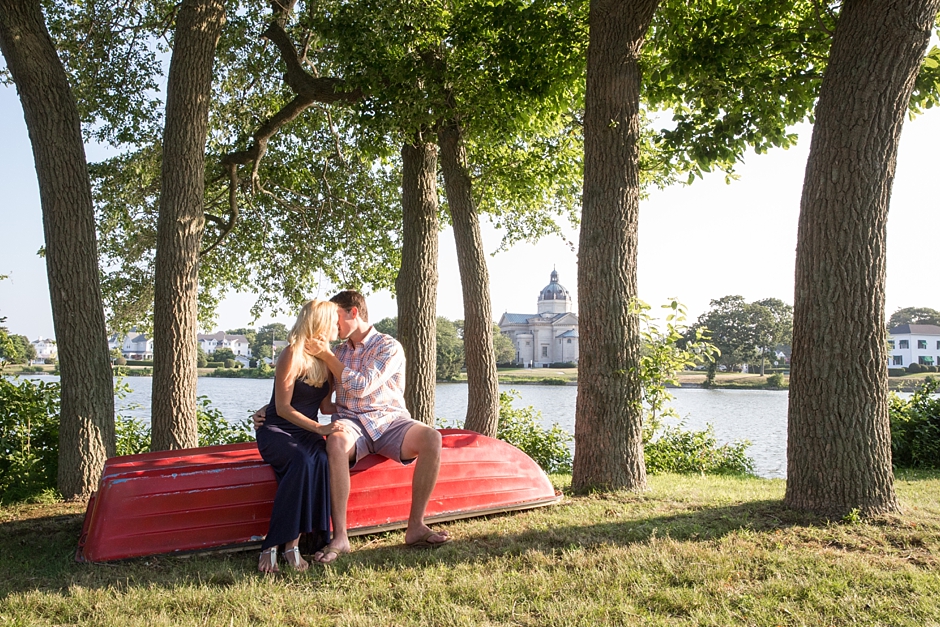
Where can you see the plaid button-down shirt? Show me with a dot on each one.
(373, 385)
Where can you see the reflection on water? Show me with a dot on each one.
(756, 415)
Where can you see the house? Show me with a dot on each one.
(913, 344)
(133, 345)
(45, 348)
(548, 336)
(214, 341)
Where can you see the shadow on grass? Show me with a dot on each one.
(38, 554)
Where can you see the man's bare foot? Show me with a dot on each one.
(424, 536)
(331, 552)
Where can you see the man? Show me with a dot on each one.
(369, 378)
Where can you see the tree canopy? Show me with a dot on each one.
(914, 315)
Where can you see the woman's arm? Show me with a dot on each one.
(284, 381)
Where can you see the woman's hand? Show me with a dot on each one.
(316, 346)
(330, 429)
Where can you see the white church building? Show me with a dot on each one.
(549, 336)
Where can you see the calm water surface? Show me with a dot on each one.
(759, 416)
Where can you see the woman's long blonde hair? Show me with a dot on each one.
(316, 319)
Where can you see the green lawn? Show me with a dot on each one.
(691, 551)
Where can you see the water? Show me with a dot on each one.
(759, 416)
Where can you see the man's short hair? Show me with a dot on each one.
(347, 299)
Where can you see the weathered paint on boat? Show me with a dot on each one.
(221, 496)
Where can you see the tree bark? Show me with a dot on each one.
(180, 224)
(86, 427)
(416, 285)
(482, 383)
(839, 440)
(609, 412)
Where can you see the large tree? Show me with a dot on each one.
(914, 315)
(86, 431)
(839, 441)
(609, 414)
(180, 224)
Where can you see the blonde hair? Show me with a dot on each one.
(314, 320)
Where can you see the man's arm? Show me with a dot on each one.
(389, 361)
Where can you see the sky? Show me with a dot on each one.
(697, 242)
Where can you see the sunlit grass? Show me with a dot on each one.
(690, 551)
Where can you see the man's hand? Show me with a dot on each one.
(257, 418)
(317, 347)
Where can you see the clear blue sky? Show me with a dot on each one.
(696, 243)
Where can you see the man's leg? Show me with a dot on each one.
(340, 451)
(423, 442)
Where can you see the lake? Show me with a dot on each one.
(759, 416)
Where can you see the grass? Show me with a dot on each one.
(691, 551)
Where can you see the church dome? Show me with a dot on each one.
(554, 290)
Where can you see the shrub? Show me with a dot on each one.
(214, 429)
(120, 361)
(933, 368)
(520, 427)
(896, 372)
(563, 364)
(139, 362)
(680, 451)
(229, 363)
(915, 368)
(139, 372)
(776, 381)
(553, 381)
(29, 438)
(915, 427)
(215, 364)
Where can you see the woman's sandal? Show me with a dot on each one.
(296, 562)
(268, 558)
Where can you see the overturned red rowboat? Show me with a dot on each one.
(220, 496)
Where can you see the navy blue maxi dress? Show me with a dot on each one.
(298, 456)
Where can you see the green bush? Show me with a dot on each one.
(29, 436)
(29, 439)
(139, 372)
(262, 372)
(915, 427)
(139, 362)
(563, 364)
(553, 381)
(520, 427)
(120, 361)
(680, 451)
(915, 368)
(215, 364)
(896, 372)
(776, 381)
(229, 363)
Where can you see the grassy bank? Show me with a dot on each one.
(692, 551)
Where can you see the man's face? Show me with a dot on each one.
(345, 322)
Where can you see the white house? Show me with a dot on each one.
(914, 344)
(134, 345)
(213, 342)
(45, 348)
(548, 336)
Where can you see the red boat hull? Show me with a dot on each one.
(221, 496)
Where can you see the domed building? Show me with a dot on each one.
(549, 336)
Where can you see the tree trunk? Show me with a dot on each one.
(86, 427)
(416, 285)
(482, 384)
(839, 440)
(180, 224)
(609, 413)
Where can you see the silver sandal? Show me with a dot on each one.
(296, 560)
(269, 559)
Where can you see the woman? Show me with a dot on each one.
(291, 440)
